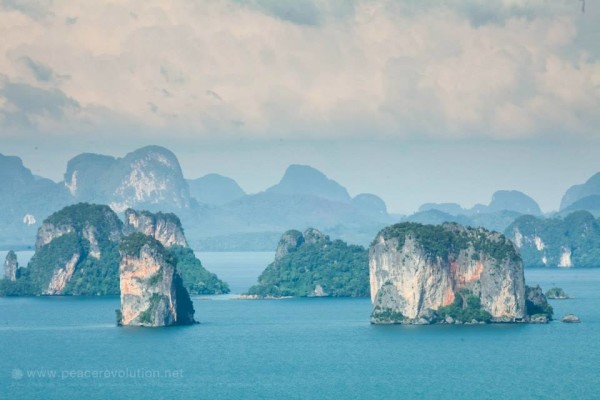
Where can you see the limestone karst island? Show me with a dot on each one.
(422, 274)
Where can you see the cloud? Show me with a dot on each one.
(40, 71)
(26, 105)
(310, 69)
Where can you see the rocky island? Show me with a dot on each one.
(310, 264)
(423, 274)
(152, 292)
(77, 253)
(11, 266)
(557, 293)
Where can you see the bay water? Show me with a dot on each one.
(70, 348)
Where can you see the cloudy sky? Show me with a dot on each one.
(412, 100)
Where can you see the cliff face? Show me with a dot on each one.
(11, 266)
(416, 270)
(166, 228)
(152, 293)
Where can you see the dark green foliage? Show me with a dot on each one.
(82, 215)
(533, 309)
(131, 245)
(387, 314)
(20, 287)
(156, 278)
(556, 293)
(446, 241)
(50, 257)
(536, 303)
(465, 308)
(35, 279)
(342, 270)
(196, 279)
(97, 276)
(146, 315)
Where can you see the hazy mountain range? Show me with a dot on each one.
(218, 215)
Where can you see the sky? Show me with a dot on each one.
(415, 101)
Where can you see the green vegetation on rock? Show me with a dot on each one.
(81, 215)
(556, 293)
(536, 303)
(450, 238)
(317, 267)
(465, 308)
(572, 241)
(196, 279)
(94, 241)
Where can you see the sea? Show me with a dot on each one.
(313, 348)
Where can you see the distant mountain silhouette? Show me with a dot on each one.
(215, 189)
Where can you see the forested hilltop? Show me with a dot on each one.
(311, 264)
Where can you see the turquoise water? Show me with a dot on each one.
(295, 349)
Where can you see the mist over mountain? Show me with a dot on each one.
(216, 212)
(307, 181)
(585, 196)
(513, 200)
(149, 177)
(25, 201)
(504, 207)
(218, 215)
(214, 189)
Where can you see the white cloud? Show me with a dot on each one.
(259, 69)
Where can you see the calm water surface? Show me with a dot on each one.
(69, 348)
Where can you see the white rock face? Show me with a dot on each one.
(565, 258)
(539, 244)
(166, 228)
(143, 185)
(11, 266)
(29, 219)
(518, 239)
(89, 233)
(48, 232)
(62, 276)
(72, 184)
(406, 279)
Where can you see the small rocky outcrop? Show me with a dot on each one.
(11, 266)
(557, 293)
(570, 319)
(166, 228)
(152, 292)
(537, 305)
(424, 274)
